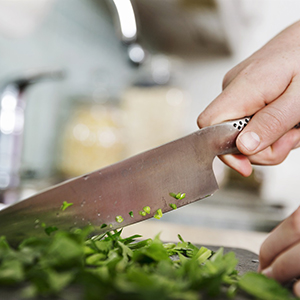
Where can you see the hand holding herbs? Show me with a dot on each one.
(69, 265)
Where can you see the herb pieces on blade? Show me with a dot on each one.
(178, 196)
(65, 205)
(147, 209)
(119, 219)
(142, 213)
(173, 205)
(158, 214)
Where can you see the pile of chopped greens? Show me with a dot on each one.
(70, 265)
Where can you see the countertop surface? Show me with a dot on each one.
(248, 240)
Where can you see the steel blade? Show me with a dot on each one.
(181, 166)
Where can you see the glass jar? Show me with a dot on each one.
(154, 115)
(92, 138)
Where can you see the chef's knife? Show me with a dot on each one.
(121, 191)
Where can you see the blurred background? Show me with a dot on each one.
(87, 83)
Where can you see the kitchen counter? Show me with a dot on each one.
(248, 240)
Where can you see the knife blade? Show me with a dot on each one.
(123, 189)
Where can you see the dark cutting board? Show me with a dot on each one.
(248, 261)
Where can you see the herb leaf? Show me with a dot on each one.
(158, 214)
(65, 205)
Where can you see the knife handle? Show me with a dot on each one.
(228, 141)
(241, 123)
(224, 136)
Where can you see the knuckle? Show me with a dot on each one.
(273, 158)
(227, 78)
(273, 161)
(278, 159)
(242, 70)
(273, 121)
(249, 69)
(268, 157)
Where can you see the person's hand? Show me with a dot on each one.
(266, 85)
(280, 253)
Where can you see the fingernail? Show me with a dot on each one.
(250, 140)
(267, 272)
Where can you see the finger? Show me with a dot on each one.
(286, 266)
(272, 155)
(277, 153)
(249, 92)
(271, 122)
(238, 162)
(281, 238)
(233, 73)
(297, 145)
(296, 288)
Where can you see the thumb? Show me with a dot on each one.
(271, 122)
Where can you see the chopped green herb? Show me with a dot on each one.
(67, 264)
(49, 229)
(173, 205)
(119, 219)
(131, 214)
(103, 226)
(182, 196)
(65, 205)
(158, 214)
(147, 209)
(142, 213)
(178, 196)
(263, 288)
